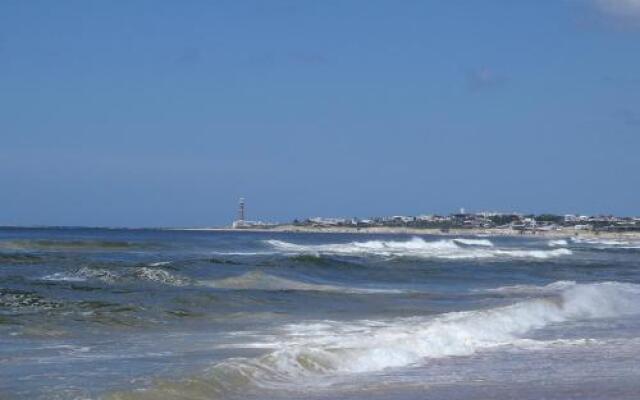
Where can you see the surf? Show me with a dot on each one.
(458, 248)
(307, 354)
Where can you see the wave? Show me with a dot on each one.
(533, 289)
(214, 260)
(370, 346)
(318, 260)
(315, 259)
(258, 280)
(82, 274)
(159, 263)
(64, 277)
(474, 242)
(418, 247)
(557, 242)
(539, 254)
(160, 276)
(607, 243)
(308, 353)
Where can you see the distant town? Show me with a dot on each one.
(461, 220)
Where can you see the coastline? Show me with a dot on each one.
(383, 230)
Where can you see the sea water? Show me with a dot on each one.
(169, 314)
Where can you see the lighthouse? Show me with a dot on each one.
(240, 221)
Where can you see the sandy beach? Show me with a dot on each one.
(556, 233)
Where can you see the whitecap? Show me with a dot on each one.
(419, 248)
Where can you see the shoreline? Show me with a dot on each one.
(380, 230)
(556, 233)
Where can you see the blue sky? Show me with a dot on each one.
(159, 113)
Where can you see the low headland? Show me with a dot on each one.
(464, 224)
(561, 232)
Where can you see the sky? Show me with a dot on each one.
(163, 113)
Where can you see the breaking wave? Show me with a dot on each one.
(557, 242)
(257, 280)
(418, 247)
(309, 353)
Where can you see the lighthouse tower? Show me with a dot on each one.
(241, 210)
(240, 221)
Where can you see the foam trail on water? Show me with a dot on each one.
(119, 276)
(63, 277)
(607, 243)
(533, 289)
(418, 247)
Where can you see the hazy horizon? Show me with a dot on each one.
(267, 220)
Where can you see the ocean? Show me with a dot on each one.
(170, 314)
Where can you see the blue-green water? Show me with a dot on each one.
(207, 315)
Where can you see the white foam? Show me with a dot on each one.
(64, 277)
(143, 273)
(159, 263)
(540, 254)
(533, 289)
(324, 348)
(558, 242)
(607, 243)
(97, 273)
(474, 242)
(160, 276)
(418, 247)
